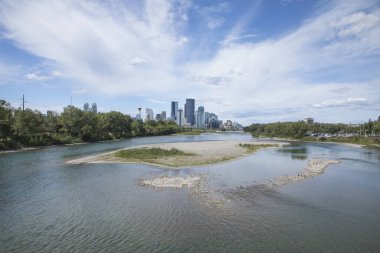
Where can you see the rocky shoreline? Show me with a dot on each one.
(314, 168)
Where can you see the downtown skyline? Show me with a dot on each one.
(248, 61)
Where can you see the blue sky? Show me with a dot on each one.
(249, 61)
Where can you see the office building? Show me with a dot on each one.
(163, 115)
(174, 110)
(86, 107)
(149, 114)
(309, 120)
(94, 108)
(207, 118)
(158, 116)
(200, 119)
(190, 111)
(214, 123)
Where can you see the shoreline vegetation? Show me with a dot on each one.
(27, 128)
(24, 129)
(360, 135)
(181, 154)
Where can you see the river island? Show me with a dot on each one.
(180, 154)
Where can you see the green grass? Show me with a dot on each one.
(254, 147)
(149, 153)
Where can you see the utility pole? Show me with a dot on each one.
(23, 102)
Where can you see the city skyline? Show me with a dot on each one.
(248, 61)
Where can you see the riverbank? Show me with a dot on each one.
(202, 153)
(348, 144)
(39, 147)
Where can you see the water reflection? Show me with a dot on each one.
(295, 152)
(298, 157)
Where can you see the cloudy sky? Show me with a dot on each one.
(250, 61)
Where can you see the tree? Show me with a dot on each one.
(72, 121)
(6, 118)
(29, 127)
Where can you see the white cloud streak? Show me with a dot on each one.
(39, 77)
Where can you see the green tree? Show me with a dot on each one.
(72, 121)
(6, 118)
(29, 127)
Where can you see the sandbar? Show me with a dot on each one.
(204, 153)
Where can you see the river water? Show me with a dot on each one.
(49, 206)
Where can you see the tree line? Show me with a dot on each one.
(301, 129)
(26, 128)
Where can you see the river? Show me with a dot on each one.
(49, 206)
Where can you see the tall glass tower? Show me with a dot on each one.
(200, 117)
(174, 109)
(190, 111)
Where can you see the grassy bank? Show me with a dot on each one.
(350, 140)
(149, 154)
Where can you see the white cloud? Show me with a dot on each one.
(215, 23)
(352, 25)
(155, 101)
(34, 76)
(274, 74)
(112, 49)
(56, 73)
(352, 103)
(209, 80)
(40, 77)
(81, 91)
(137, 61)
(92, 42)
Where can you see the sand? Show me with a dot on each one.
(205, 152)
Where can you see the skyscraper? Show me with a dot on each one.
(180, 118)
(163, 115)
(200, 117)
(94, 108)
(149, 114)
(174, 109)
(138, 115)
(207, 118)
(86, 107)
(190, 111)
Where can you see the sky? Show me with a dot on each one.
(247, 61)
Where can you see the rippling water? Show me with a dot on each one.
(47, 205)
